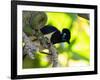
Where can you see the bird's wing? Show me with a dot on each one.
(48, 29)
(49, 35)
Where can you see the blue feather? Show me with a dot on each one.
(48, 29)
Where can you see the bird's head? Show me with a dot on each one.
(66, 35)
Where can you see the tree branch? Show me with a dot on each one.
(37, 20)
(29, 47)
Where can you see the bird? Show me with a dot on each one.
(51, 33)
(55, 35)
(37, 20)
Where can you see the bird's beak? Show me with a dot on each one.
(68, 42)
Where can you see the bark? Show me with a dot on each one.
(37, 20)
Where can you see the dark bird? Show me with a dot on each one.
(55, 35)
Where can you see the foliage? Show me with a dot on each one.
(74, 54)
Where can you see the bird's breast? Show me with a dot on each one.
(48, 36)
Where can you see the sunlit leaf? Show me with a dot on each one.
(59, 20)
(80, 32)
(75, 63)
(62, 58)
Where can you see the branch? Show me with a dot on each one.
(36, 20)
(29, 47)
(54, 56)
(48, 45)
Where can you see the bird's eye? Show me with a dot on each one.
(64, 36)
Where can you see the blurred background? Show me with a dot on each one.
(77, 53)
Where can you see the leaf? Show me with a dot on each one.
(60, 20)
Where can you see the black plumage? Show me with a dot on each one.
(56, 36)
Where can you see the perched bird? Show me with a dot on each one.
(37, 20)
(55, 35)
(52, 33)
(34, 27)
